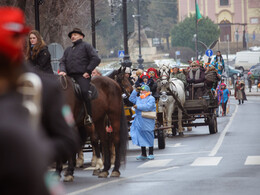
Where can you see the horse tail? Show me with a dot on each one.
(123, 134)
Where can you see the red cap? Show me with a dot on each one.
(12, 23)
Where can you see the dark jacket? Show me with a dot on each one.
(43, 60)
(25, 154)
(79, 58)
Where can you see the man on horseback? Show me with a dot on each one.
(78, 62)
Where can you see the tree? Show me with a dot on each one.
(162, 17)
(182, 34)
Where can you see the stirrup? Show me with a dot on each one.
(88, 120)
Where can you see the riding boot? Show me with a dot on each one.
(88, 117)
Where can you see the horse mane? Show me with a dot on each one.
(112, 74)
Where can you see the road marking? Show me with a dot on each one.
(119, 180)
(176, 154)
(206, 161)
(222, 135)
(252, 160)
(155, 163)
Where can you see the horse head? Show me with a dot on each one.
(164, 74)
(123, 81)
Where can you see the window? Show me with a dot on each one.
(224, 2)
(254, 20)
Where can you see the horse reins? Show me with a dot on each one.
(63, 82)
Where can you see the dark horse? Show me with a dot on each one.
(109, 104)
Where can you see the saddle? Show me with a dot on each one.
(92, 93)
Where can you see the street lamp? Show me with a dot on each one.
(140, 59)
(126, 60)
(36, 12)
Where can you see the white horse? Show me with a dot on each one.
(167, 103)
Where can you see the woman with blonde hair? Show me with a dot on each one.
(37, 52)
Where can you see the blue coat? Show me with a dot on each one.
(224, 94)
(142, 129)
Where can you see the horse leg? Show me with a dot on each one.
(80, 159)
(180, 128)
(93, 159)
(68, 175)
(170, 110)
(96, 147)
(113, 154)
(106, 151)
(58, 168)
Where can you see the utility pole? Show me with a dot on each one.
(196, 33)
(36, 12)
(93, 23)
(140, 59)
(126, 60)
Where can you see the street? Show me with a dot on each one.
(198, 163)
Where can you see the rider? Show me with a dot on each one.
(176, 73)
(219, 63)
(78, 61)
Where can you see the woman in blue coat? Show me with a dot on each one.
(142, 128)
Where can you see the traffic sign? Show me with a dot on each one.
(121, 53)
(209, 52)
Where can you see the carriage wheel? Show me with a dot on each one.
(213, 126)
(161, 139)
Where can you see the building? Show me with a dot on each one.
(234, 17)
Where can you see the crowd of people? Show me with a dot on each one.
(54, 138)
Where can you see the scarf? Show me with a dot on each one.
(145, 95)
(197, 74)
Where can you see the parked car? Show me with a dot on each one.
(255, 66)
(232, 72)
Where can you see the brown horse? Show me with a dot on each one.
(109, 103)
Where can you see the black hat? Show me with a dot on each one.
(76, 30)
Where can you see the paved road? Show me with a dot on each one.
(198, 163)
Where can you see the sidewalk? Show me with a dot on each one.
(254, 91)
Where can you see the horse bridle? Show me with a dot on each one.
(119, 80)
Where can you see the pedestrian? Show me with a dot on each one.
(25, 153)
(145, 79)
(240, 90)
(37, 52)
(219, 63)
(142, 128)
(128, 75)
(224, 96)
(78, 62)
(152, 72)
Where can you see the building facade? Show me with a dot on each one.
(234, 17)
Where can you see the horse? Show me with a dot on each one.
(109, 104)
(167, 103)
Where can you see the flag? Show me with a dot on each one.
(198, 15)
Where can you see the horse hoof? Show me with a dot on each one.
(115, 174)
(96, 172)
(68, 178)
(103, 174)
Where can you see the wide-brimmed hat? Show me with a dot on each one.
(76, 30)
(145, 75)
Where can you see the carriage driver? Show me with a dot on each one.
(78, 62)
(176, 73)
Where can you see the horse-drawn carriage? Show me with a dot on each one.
(188, 110)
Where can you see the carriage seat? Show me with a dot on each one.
(92, 93)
